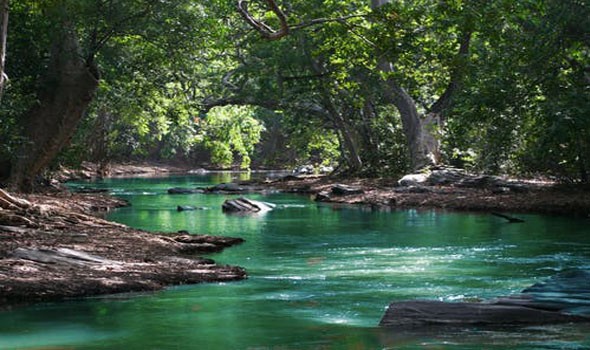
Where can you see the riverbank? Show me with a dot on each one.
(483, 193)
(55, 247)
(524, 197)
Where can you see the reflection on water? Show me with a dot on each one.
(319, 278)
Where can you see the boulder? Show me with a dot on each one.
(345, 190)
(413, 180)
(322, 196)
(567, 291)
(245, 205)
(446, 176)
(185, 208)
(422, 313)
(189, 208)
(180, 190)
(90, 190)
(226, 187)
(304, 170)
(564, 297)
(233, 188)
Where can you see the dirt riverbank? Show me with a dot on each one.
(54, 247)
(527, 197)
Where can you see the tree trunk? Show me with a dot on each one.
(422, 131)
(423, 146)
(3, 37)
(67, 90)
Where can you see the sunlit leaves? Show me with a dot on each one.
(230, 132)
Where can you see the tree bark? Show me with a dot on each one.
(67, 90)
(422, 144)
(3, 36)
(422, 131)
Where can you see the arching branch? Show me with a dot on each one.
(285, 29)
(265, 30)
(444, 100)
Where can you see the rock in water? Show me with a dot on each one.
(245, 205)
(568, 291)
(564, 297)
(185, 208)
(179, 190)
(424, 313)
(189, 208)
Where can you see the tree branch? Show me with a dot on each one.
(269, 33)
(266, 31)
(444, 101)
(322, 21)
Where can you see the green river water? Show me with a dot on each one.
(320, 277)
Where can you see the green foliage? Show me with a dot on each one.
(529, 114)
(231, 131)
(317, 95)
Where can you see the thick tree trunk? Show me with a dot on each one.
(67, 90)
(3, 37)
(423, 145)
(422, 131)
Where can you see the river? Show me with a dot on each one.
(320, 277)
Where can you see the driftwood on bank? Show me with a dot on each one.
(562, 298)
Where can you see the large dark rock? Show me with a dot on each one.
(432, 312)
(564, 297)
(448, 176)
(233, 188)
(568, 291)
(245, 205)
(345, 190)
(189, 208)
(180, 190)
